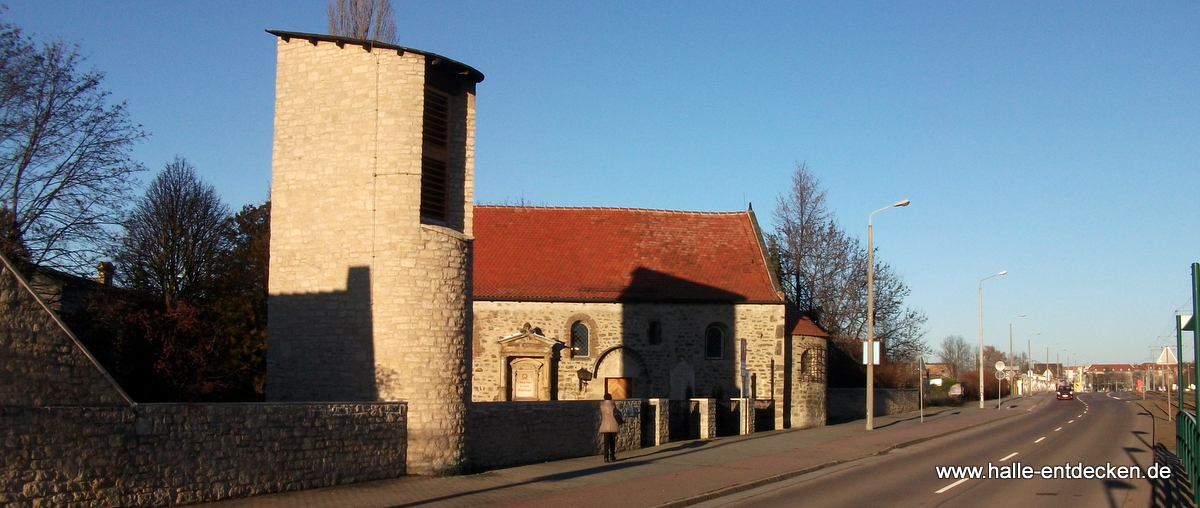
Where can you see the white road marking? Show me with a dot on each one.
(1071, 421)
(1009, 456)
(1039, 439)
(1079, 416)
(1058, 429)
(952, 485)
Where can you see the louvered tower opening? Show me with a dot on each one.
(435, 140)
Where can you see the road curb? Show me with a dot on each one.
(742, 487)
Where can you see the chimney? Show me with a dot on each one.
(104, 273)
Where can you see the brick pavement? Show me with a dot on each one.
(675, 474)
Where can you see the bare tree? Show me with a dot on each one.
(802, 231)
(957, 354)
(824, 273)
(1018, 360)
(991, 355)
(174, 237)
(65, 170)
(363, 19)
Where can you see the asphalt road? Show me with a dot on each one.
(1093, 429)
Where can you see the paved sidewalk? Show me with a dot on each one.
(675, 474)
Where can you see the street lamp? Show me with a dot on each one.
(981, 334)
(871, 313)
(1029, 361)
(1011, 362)
(1010, 349)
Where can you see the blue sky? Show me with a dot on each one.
(1057, 140)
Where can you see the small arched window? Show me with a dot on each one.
(714, 342)
(579, 339)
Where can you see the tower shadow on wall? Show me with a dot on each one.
(666, 322)
(324, 349)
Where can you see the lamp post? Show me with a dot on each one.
(1011, 362)
(981, 334)
(1029, 361)
(871, 313)
(1010, 347)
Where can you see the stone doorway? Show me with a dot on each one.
(530, 365)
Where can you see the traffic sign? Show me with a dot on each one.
(874, 351)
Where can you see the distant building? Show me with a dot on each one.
(1055, 369)
(939, 371)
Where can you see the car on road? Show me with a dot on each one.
(1065, 393)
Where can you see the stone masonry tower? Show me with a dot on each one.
(371, 191)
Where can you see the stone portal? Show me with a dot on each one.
(531, 365)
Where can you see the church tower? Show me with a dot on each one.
(370, 276)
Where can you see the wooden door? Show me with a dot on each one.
(619, 387)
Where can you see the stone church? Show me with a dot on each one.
(573, 303)
(388, 284)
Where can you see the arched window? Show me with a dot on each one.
(579, 339)
(714, 342)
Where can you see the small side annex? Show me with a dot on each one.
(573, 303)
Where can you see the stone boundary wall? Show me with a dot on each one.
(159, 454)
(70, 437)
(501, 434)
(844, 404)
(41, 362)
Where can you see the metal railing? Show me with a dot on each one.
(1187, 444)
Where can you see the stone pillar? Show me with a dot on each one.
(746, 423)
(708, 418)
(662, 421)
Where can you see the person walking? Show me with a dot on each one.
(609, 427)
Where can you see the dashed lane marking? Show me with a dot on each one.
(1009, 456)
(1058, 429)
(1039, 439)
(952, 485)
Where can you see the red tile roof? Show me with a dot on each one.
(1111, 367)
(798, 324)
(618, 254)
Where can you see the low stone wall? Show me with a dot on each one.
(501, 434)
(158, 454)
(845, 404)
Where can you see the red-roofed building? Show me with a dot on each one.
(573, 303)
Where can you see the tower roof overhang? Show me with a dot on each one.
(453, 66)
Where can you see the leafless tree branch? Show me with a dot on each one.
(65, 170)
(824, 273)
(363, 19)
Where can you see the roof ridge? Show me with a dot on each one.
(614, 208)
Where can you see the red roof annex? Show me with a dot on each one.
(619, 254)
